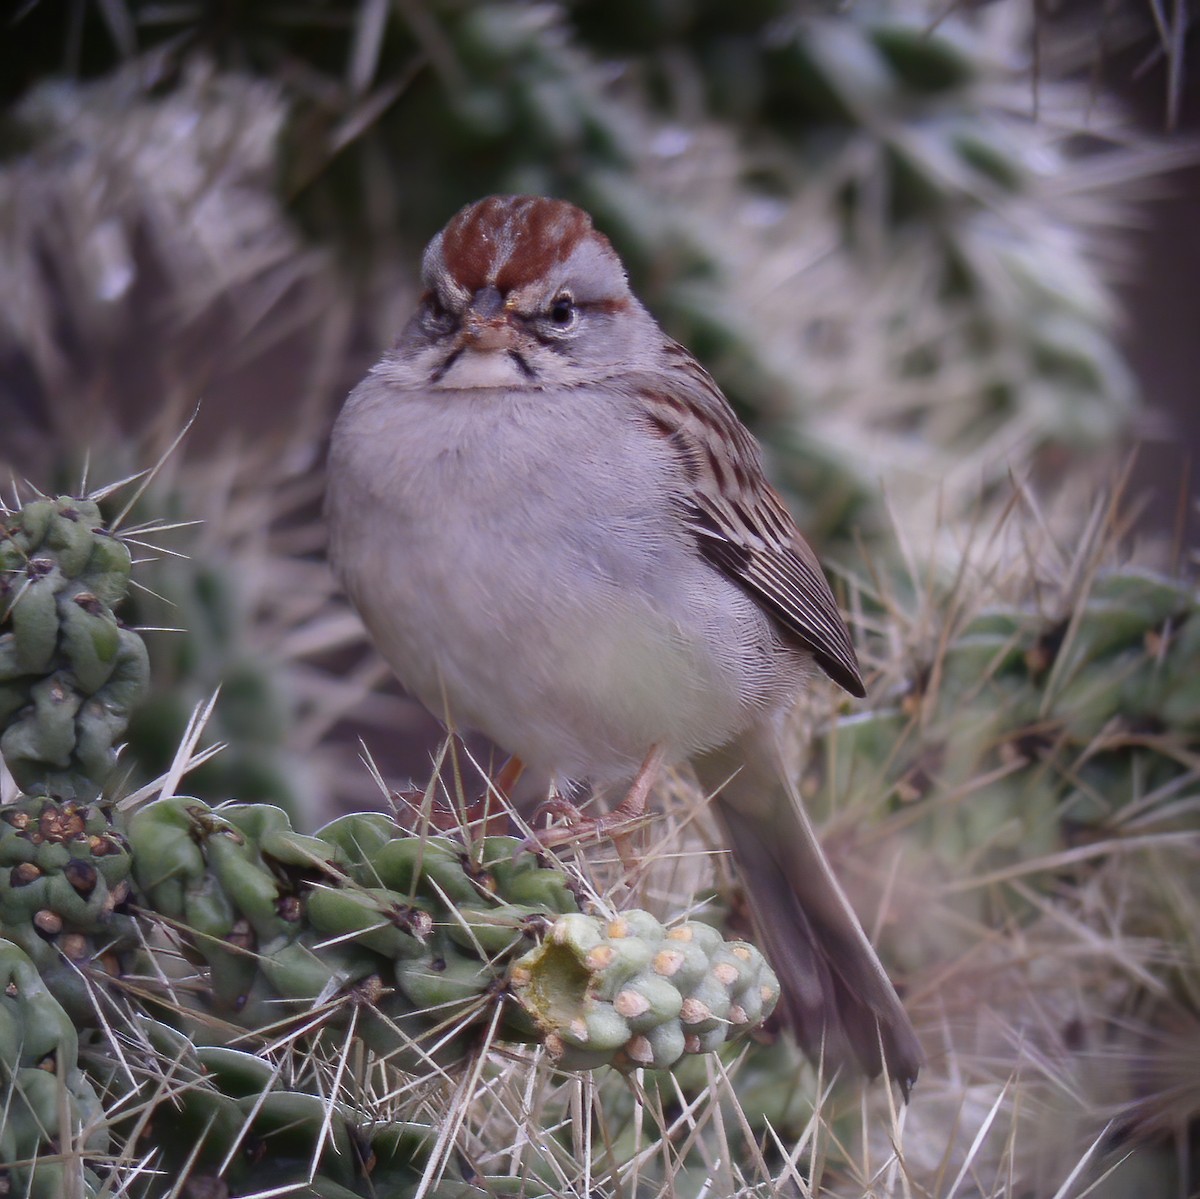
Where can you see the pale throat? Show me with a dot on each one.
(483, 368)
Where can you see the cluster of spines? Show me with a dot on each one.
(236, 1124)
(417, 935)
(1048, 723)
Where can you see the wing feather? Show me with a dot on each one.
(740, 524)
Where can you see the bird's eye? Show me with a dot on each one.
(562, 311)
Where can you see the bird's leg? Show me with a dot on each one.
(509, 776)
(631, 811)
(490, 814)
(619, 824)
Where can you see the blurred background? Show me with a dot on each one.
(934, 252)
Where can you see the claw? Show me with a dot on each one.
(556, 805)
(618, 825)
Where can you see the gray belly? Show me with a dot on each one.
(504, 599)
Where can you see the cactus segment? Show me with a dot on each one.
(418, 936)
(231, 1119)
(69, 673)
(47, 1101)
(632, 993)
(1047, 724)
(65, 895)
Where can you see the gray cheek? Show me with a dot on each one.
(607, 339)
(412, 340)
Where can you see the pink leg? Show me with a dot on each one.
(618, 824)
(509, 776)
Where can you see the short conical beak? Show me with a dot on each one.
(486, 326)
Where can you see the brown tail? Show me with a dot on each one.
(836, 995)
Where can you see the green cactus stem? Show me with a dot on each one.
(70, 673)
(424, 939)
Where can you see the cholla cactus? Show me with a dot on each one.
(411, 936)
(1022, 705)
(65, 895)
(52, 1114)
(225, 1119)
(630, 992)
(1021, 782)
(69, 673)
(1048, 717)
(228, 966)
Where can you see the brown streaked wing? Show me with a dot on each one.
(741, 525)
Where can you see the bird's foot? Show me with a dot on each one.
(619, 825)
